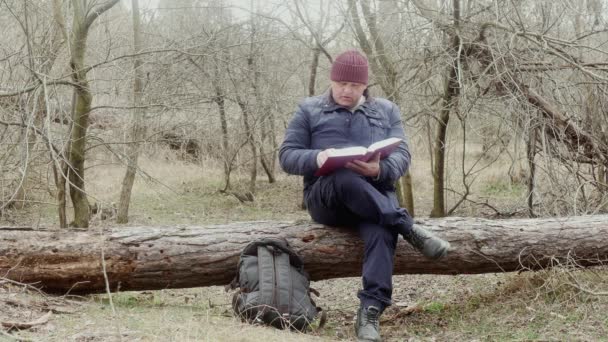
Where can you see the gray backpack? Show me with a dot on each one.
(273, 287)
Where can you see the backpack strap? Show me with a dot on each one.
(278, 243)
(266, 277)
(323, 318)
(283, 281)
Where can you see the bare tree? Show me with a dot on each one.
(84, 14)
(384, 68)
(448, 103)
(43, 41)
(138, 129)
(519, 83)
(518, 76)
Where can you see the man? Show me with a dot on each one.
(361, 195)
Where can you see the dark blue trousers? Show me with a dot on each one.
(346, 198)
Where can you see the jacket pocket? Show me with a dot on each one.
(379, 129)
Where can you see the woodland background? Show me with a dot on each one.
(171, 112)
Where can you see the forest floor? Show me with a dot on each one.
(562, 303)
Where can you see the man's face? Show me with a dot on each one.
(347, 94)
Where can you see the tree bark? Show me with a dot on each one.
(267, 165)
(251, 141)
(149, 258)
(81, 117)
(450, 95)
(80, 29)
(531, 153)
(449, 98)
(60, 171)
(314, 64)
(219, 99)
(138, 130)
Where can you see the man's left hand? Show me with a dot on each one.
(371, 168)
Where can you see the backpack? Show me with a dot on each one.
(273, 287)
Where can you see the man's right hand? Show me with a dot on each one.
(322, 156)
(371, 168)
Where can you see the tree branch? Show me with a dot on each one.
(98, 10)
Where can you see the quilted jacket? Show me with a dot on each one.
(319, 123)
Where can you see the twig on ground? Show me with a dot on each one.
(26, 325)
(577, 285)
(28, 286)
(594, 293)
(107, 282)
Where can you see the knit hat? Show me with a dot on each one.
(349, 66)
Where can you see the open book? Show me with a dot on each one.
(339, 157)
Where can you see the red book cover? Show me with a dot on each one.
(339, 157)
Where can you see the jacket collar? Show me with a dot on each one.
(368, 107)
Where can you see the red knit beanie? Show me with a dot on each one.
(349, 66)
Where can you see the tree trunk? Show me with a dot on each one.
(219, 100)
(405, 187)
(312, 82)
(83, 17)
(81, 117)
(275, 145)
(268, 133)
(603, 178)
(60, 170)
(138, 128)
(312, 78)
(249, 110)
(451, 92)
(267, 165)
(440, 144)
(149, 258)
(384, 69)
(251, 141)
(531, 152)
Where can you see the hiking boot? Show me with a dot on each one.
(367, 326)
(426, 243)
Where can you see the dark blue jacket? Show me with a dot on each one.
(319, 123)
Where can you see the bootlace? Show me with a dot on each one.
(416, 238)
(372, 317)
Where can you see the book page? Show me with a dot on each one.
(348, 151)
(382, 143)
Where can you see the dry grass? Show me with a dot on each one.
(183, 315)
(529, 306)
(499, 307)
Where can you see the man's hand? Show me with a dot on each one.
(371, 168)
(322, 157)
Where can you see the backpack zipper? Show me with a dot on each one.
(274, 276)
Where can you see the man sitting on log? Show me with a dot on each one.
(362, 194)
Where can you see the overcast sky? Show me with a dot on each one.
(240, 8)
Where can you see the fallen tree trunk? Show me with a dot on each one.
(147, 258)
